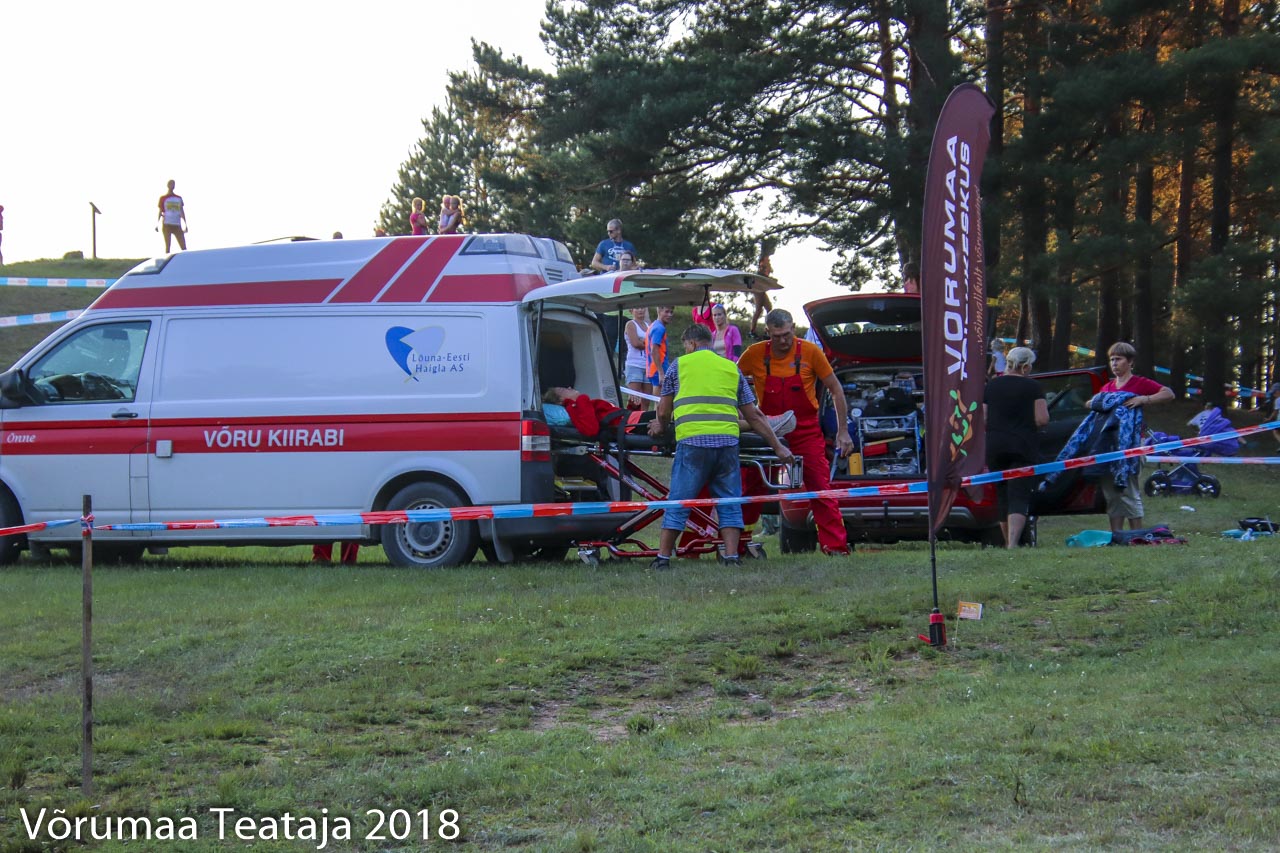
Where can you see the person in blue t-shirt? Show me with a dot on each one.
(656, 357)
(606, 257)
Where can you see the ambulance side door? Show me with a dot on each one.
(81, 424)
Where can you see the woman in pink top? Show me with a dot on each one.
(418, 219)
(702, 316)
(726, 340)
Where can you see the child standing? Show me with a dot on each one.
(998, 364)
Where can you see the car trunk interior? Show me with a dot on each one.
(885, 422)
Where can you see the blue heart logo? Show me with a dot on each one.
(403, 342)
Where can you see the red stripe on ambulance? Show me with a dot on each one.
(416, 280)
(369, 280)
(58, 438)
(302, 292)
(504, 287)
(333, 434)
(278, 420)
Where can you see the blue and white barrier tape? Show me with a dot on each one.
(37, 319)
(1218, 460)
(12, 281)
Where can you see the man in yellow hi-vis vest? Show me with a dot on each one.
(705, 393)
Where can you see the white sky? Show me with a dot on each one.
(276, 118)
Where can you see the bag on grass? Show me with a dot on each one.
(1089, 539)
(1158, 535)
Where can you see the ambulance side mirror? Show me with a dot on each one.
(15, 389)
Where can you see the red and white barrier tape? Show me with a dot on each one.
(472, 513)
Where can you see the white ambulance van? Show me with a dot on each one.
(320, 378)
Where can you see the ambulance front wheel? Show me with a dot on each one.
(10, 516)
(429, 544)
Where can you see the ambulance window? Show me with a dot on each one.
(151, 267)
(95, 364)
(501, 244)
(562, 252)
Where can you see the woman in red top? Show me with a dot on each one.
(1127, 503)
(1146, 391)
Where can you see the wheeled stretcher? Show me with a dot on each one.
(610, 462)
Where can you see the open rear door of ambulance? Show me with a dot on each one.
(640, 288)
(595, 297)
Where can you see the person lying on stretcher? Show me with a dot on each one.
(589, 415)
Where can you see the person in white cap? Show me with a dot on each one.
(1014, 409)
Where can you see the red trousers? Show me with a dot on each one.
(324, 553)
(812, 448)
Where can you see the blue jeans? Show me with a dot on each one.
(695, 467)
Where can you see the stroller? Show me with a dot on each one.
(1185, 478)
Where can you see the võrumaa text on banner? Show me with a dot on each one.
(953, 297)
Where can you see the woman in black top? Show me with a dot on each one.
(1014, 408)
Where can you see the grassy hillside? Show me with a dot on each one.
(14, 341)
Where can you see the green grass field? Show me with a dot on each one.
(1109, 698)
(1113, 698)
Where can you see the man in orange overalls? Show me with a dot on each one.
(785, 373)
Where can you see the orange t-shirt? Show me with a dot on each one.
(814, 367)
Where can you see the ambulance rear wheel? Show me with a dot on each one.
(429, 544)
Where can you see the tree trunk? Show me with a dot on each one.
(1144, 313)
(1032, 211)
(1217, 331)
(1034, 243)
(907, 250)
(1182, 263)
(933, 69)
(992, 175)
(1064, 214)
(1184, 238)
(1113, 213)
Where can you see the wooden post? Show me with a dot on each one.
(86, 648)
(94, 218)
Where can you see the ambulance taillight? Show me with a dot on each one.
(535, 442)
